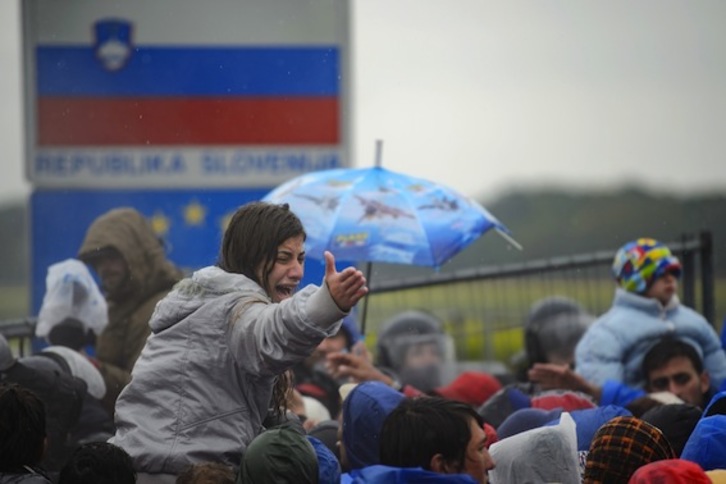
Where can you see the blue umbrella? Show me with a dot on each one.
(378, 215)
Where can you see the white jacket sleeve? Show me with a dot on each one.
(266, 338)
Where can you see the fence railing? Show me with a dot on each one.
(484, 308)
(20, 334)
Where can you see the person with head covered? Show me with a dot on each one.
(541, 454)
(645, 308)
(621, 446)
(74, 312)
(134, 273)
(413, 346)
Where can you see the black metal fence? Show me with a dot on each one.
(484, 308)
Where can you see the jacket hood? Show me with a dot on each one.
(707, 444)
(671, 471)
(379, 474)
(128, 232)
(550, 454)
(364, 410)
(589, 420)
(192, 293)
(279, 455)
(328, 464)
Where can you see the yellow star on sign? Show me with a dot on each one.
(195, 213)
(160, 224)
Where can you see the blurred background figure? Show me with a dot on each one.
(61, 393)
(313, 377)
(22, 436)
(415, 348)
(73, 312)
(552, 330)
(135, 274)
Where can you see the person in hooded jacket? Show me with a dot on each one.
(706, 446)
(210, 372)
(280, 455)
(365, 408)
(134, 274)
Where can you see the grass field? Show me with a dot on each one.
(485, 318)
(14, 302)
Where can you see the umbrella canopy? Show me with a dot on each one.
(377, 215)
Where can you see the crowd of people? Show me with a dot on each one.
(235, 374)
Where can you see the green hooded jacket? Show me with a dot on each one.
(151, 277)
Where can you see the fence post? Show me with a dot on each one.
(708, 290)
(689, 269)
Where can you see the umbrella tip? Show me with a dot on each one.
(509, 239)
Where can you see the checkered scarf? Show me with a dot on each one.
(621, 446)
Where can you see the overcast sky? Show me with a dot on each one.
(488, 95)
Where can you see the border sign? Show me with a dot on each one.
(184, 93)
(179, 108)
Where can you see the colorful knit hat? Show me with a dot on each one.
(638, 263)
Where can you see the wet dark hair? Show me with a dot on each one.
(253, 236)
(667, 349)
(98, 462)
(419, 428)
(22, 428)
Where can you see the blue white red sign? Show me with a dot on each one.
(138, 95)
(180, 108)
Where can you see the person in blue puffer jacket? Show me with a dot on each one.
(645, 309)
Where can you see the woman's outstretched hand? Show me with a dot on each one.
(346, 287)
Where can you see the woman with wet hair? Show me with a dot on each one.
(209, 374)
